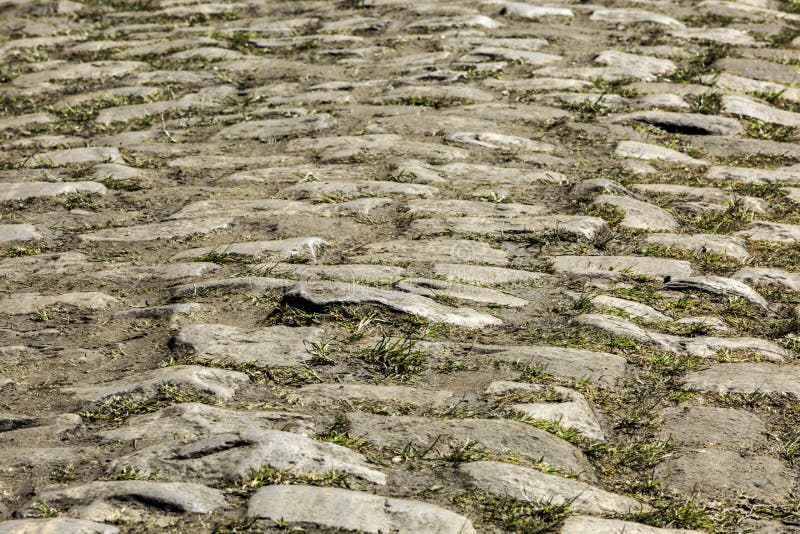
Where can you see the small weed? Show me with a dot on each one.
(63, 474)
(130, 473)
(511, 515)
(607, 212)
(21, 250)
(687, 515)
(395, 358)
(118, 408)
(770, 131)
(616, 87)
(267, 476)
(435, 102)
(701, 64)
(44, 510)
(219, 257)
(588, 108)
(734, 217)
(339, 434)
(320, 351)
(706, 103)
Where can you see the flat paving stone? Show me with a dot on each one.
(684, 123)
(717, 474)
(507, 480)
(746, 378)
(218, 382)
(718, 285)
(181, 497)
(634, 16)
(639, 215)
(60, 525)
(579, 524)
(708, 426)
(21, 191)
(428, 287)
(637, 150)
(703, 243)
(156, 231)
(24, 303)
(764, 277)
(485, 275)
(277, 128)
(18, 232)
(192, 420)
(284, 248)
(458, 251)
(752, 109)
(769, 231)
(273, 346)
(320, 294)
(498, 435)
(570, 411)
(616, 266)
(322, 507)
(231, 457)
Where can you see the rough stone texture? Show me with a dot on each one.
(501, 436)
(703, 347)
(746, 378)
(215, 381)
(702, 243)
(362, 243)
(639, 215)
(705, 426)
(572, 411)
(506, 480)
(580, 524)
(59, 525)
(275, 346)
(23, 303)
(616, 266)
(322, 507)
(713, 474)
(319, 294)
(154, 231)
(231, 456)
(195, 420)
(191, 498)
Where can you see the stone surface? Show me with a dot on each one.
(218, 382)
(616, 266)
(18, 232)
(637, 150)
(319, 294)
(232, 456)
(363, 243)
(274, 346)
(193, 420)
(703, 243)
(60, 525)
(506, 480)
(706, 426)
(322, 507)
(191, 498)
(155, 231)
(746, 378)
(21, 191)
(639, 215)
(715, 474)
(579, 524)
(22, 303)
(500, 436)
